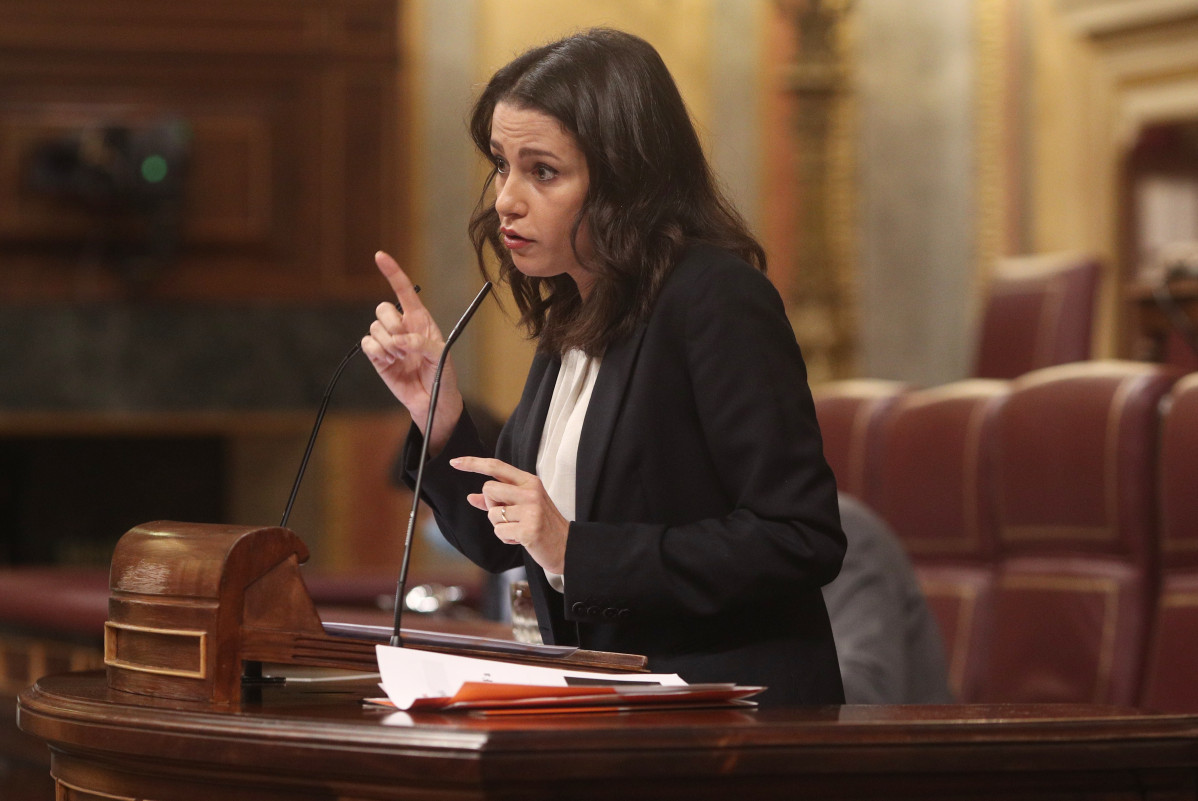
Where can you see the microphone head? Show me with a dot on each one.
(461, 324)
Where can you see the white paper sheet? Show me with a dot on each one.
(408, 674)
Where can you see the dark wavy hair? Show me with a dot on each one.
(651, 191)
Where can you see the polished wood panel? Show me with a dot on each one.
(52, 621)
(294, 112)
(316, 741)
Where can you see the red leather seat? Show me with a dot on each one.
(850, 413)
(1076, 506)
(1039, 312)
(935, 473)
(1178, 480)
(934, 488)
(1169, 683)
(66, 602)
(960, 597)
(1067, 630)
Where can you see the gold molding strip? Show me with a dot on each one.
(963, 636)
(111, 658)
(1179, 600)
(1058, 533)
(92, 793)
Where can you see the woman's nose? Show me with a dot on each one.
(508, 199)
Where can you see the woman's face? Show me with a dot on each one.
(540, 185)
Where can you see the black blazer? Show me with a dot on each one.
(707, 517)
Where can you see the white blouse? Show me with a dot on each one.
(557, 457)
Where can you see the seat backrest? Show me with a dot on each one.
(1066, 630)
(960, 599)
(1038, 312)
(934, 484)
(1077, 463)
(850, 413)
(1169, 684)
(1178, 480)
(1075, 476)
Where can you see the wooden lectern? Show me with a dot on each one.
(195, 607)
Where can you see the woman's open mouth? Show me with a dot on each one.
(512, 240)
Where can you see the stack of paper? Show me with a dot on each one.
(418, 681)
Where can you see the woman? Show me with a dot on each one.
(662, 478)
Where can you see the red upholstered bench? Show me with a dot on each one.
(1169, 684)
(850, 414)
(1076, 500)
(66, 602)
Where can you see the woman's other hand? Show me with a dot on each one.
(520, 509)
(404, 347)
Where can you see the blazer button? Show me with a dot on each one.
(624, 614)
(609, 613)
(578, 608)
(593, 611)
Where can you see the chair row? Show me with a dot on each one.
(1052, 519)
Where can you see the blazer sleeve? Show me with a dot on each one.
(445, 490)
(777, 536)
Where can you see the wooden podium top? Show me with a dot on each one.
(317, 740)
(193, 605)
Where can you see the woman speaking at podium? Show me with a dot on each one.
(662, 478)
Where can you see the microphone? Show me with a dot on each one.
(396, 639)
(324, 404)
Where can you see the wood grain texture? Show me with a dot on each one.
(299, 742)
(294, 171)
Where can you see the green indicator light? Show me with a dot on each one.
(153, 169)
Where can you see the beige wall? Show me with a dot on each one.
(1103, 70)
(1070, 188)
(1061, 113)
(679, 29)
(1061, 90)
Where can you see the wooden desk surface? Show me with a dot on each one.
(319, 741)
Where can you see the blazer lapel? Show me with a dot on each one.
(542, 378)
(602, 412)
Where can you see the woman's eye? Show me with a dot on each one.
(544, 172)
(500, 165)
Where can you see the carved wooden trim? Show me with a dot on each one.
(357, 28)
(1105, 17)
(295, 172)
(113, 658)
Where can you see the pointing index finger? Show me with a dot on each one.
(495, 468)
(405, 291)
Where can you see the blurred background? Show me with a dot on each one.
(191, 194)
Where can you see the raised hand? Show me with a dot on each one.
(404, 347)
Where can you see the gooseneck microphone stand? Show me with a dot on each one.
(396, 639)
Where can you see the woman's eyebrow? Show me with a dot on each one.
(525, 152)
